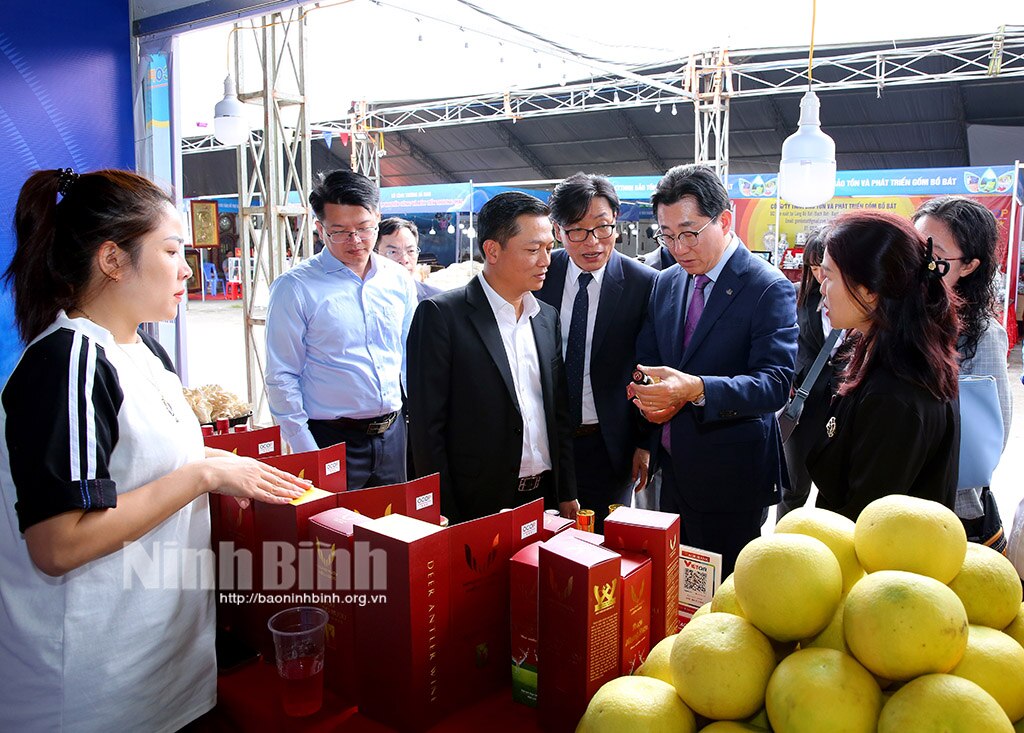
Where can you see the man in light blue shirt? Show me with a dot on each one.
(336, 331)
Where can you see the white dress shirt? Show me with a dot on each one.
(572, 276)
(521, 351)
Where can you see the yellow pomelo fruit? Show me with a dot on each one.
(834, 530)
(731, 726)
(724, 600)
(901, 625)
(706, 608)
(900, 532)
(995, 662)
(817, 690)
(637, 705)
(989, 587)
(720, 666)
(657, 663)
(788, 585)
(1016, 628)
(832, 636)
(942, 702)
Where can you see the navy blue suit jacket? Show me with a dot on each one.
(621, 312)
(727, 455)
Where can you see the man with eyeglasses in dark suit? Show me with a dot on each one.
(602, 301)
(336, 330)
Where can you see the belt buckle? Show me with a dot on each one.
(529, 483)
(379, 427)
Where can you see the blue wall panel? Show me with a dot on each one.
(65, 100)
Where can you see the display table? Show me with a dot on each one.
(247, 700)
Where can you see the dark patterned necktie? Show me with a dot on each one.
(576, 349)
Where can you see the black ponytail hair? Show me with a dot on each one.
(57, 240)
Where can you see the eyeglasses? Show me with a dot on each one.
(687, 238)
(393, 252)
(341, 236)
(581, 235)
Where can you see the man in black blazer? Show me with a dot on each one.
(599, 349)
(487, 391)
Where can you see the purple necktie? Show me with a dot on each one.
(695, 309)
(693, 313)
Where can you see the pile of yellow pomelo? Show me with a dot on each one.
(894, 624)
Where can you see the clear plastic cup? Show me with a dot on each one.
(299, 646)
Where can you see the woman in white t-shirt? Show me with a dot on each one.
(106, 612)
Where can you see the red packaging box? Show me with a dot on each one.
(419, 499)
(331, 533)
(261, 443)
(656, 535)
(523, 612)
(554, 525)
(287, 567)
(636, 610)
(578, 645)
(325, 468)
(480, 552)
(571, 533)
(402, 644)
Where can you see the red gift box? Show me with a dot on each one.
(261, 443)
(419, 499)
(554, 525)
(523, 612)
(655, 534)
(403, 643)
(578, 647)
(331, 533)
(636, 610)
(325, 468)
(571, 533)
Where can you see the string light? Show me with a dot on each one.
(674, 110)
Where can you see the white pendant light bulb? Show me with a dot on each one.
(451, 229)
(807, 173)
(229, 124)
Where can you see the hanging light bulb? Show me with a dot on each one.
(807, 173)
(432, 230)
(451, 229)
(657, 108)
(615, 97)
(471, 232)
(229, 124)
(674, 111)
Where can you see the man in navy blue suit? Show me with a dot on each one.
(721, 330)
(602, 300)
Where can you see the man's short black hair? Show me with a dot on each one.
(699, 181)
(346, 188)
(392, 224)
(572, 197)
(499, 217)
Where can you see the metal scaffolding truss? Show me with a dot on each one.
(275, 234)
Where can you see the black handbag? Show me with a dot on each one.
(789, 416)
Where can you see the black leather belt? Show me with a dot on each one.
(531, 483)
(584, 430)
(370, 425)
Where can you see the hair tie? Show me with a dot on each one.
(66, 181)
(933, 266)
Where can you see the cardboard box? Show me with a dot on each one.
(553, 525)
(404, 643)
(655, 534)
(324, 467)
(636, 610)
(524, 612)
(571, 533)
(700, 574)
(261, 443)
(331, 533)
(419, 499)
(578, 643)
(480, 551)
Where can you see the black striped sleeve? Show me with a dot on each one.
(62, 403)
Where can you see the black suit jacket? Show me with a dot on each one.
(622, 308)
(464, 416)
(888, 437)
(660, 259)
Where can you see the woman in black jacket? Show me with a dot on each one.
(893, 427)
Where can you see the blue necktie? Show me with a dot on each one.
(576, 349)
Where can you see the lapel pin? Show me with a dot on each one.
(830, 427)
(729, 291)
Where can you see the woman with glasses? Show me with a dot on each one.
(893, 427)
(964, 234)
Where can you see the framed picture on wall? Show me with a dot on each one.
(195, 283)
(205, 231)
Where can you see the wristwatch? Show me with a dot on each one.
(699, 402)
